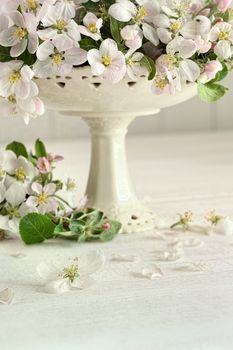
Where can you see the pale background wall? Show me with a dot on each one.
(190, 116)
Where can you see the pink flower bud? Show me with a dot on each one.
(223, 5)
(106, 226)
(43, 165)
(211, 69)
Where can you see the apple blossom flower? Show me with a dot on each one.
(42, 198)
(57, 60)
(134, 66)
(15, 208)
(19, 169)
(73, 274)
(132, 36)
(222, 35)
(92, 26)
(5, 157)
(167, 28)
(199, 26)
(108, 61)
(20, 33)
(16, 79)
(24, 108)
(63, 31)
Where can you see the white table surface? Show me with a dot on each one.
(190, 310)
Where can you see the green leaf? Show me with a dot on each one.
(40, 149)
(115, 27)
(88, 44)
(36, 228)
(211, 92)
(5, 54)
(77, 226)
(150, 65)
(18, 148)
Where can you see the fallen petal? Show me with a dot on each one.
(6, 296)
(125, 258)
(18, 255)
(151, 272)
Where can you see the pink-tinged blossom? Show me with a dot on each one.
(20, 33)
(223, 5)
(210, 71)
(43, 198)
(91, 26)
(132, 36)
(222, 36)
(57, 59)
(108, 61)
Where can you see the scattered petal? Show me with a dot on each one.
(151, 272)
(18, 255)
(125, 258)
(6, 296)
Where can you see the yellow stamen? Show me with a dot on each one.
(60, 25)
(70, 272)
(21, 33)
(57, 58)
(42, 198)
(2, 172)
(14, 77)
(20, 174)
(12, 98)
(92, 27)
(175, 26)
(13, 212)
(170, 59)
(32, 4)
(106, 60)
(71, 185)
(223, 35)
(161, 83)
(141, 14)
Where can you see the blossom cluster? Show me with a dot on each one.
(40, 207)
(173, 42)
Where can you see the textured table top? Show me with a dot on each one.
(186, 308)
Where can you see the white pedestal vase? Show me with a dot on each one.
(108, 110)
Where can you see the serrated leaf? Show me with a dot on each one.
(18, 148)
(77, 226)
(36, 228)
(211, 92)
(109, 234)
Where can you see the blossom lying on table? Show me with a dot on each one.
(40, 207)
(63, 276)
(173, 42)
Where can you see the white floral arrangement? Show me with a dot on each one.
(39, 207)
(173, 42)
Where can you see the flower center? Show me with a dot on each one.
(32, 4)
(42, 198)
(106, 60)
(20, 174)
(141, 14)
(57, 58)
(60, 24)
(2, 172)
(70, 272)
(161, 83)
(223, 35)
(213, 218)
(13, 212)
(92, 27)
(71, 185)
(175, 26)
(170, 59)
(12, 98)
(130, 62)
(21, 33)
(14, 77)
